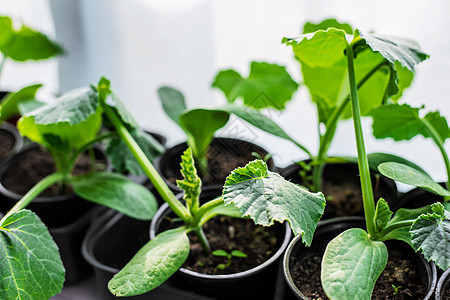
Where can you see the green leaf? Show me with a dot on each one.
(31, 267)
(375, 159)
(267, 197)
(75, 118)
(153, 264)
(6, 30)
(405, 51)
(237, 253)
(172, 102)
(200, 125)
(411, 176)
(28, 106)
(220, 253)
(430, 233)
(403, 80)
(10, 103)
(191, 183)
(325, 24)
(382, 215)
(122, 158)
(117, 192)
(402, 122)
(268, 85)
(228, 210)
(351, 265)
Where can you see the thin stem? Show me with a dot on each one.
(203, 239)
(440, 143)
(208, 206)
(363, 164)
(34, 192)
(178, 208)
(394, 226)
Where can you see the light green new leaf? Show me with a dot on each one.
(351, 265)
(266, 197)
(6, 30)
(191, 183)
(153, 264)
(31, 267)
(325, 24)
(122, 158)
(200, 125)
(74, 118)
(9, 104)
(430, 233)
(406, 174)
(267, 85)
(382, 215)
(117, 192)
(402, 122)
(172, 102)
(407, 52)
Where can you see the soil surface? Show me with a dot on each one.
(222, 159)
(447, 295)
(224, 233)
(21, 175)
(401, 270)
(7, 141)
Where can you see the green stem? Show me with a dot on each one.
(440, 143)
(394, 226)
(178, 208)
(34, 192)
(203, 239)
(363, 164)
(206, 208)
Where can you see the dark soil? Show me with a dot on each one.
(7, 141)
(447, 295)
(33, 165)
(400, 271)
(225, 233)
(222, 159)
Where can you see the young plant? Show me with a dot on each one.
(223, 253)
(353, 260)
(156, 261)
(324, 74)
(267, 85)
(66, 128)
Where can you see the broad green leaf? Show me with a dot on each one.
(27, 43)
(266, 197)
(220, 253)
(28, 106)
(122, 158)
(6, 30)
(172, 102)
(10, 103)
(152, 265)
(402, 122)
(375, 159)
(325, 24)
(407, 52)
(75, 118)
(267, 85)
(401, 215)
(117, 192)
(382, 215)
(191, 183)
(229, 210)
(430, 233)
(351, 265)
(200, 125)
(403, 80)
(31, 267)
(411, 176)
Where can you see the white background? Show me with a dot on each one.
(142, 44)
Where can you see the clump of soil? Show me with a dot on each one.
(33, 165)
(225, 233)
(401, 270)
(222, 159)
(7, 141)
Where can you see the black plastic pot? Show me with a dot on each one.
(67, 217)
(443, 286)
(110, 243)
(347, 172)
(325, 232)
(256, 283)
(169, 162)
(11, 131)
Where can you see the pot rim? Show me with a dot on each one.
(18, 143)
(443, 281)
(429, 266)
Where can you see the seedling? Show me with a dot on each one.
(324, 73)
(396, 289)
(66, 128)
(234, 253)
(353, 260)
(166, 253)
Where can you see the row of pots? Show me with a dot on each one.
(109, 233)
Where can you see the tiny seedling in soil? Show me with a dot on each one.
(396, 289)
(234, 253)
